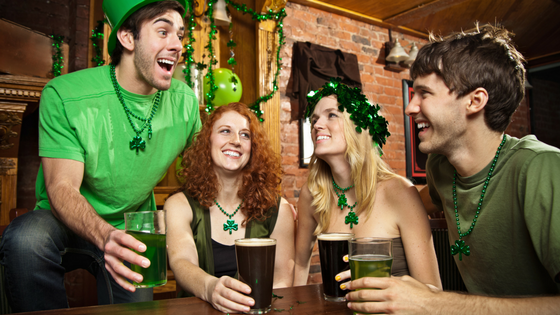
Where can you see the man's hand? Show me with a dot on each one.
(393, 295)
(117, 248)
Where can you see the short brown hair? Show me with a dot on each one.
(134, 22)
(261, 176)
(485, 58)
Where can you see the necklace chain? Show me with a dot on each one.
(351, 218)
(460, 247)
(137, 143)
(230, 224)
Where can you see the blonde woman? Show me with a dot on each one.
(351, 189)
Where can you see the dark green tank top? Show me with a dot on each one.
(202, 233)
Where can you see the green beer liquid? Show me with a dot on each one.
(156, 274)
(370, 266)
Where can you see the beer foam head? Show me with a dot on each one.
(255, 242)
(335, 236)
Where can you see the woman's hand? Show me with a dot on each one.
(345, 275)
(229, 295)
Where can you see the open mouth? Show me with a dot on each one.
(319, 138)
(232, 154)
(423, 126)
(165, 64)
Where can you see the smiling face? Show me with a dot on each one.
(328, 129)
(439, 115)
(157, 50)
(230, 143)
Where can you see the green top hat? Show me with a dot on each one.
(117, 11)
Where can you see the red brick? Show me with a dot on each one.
(349, 27)
(349, 46)
(289, 160)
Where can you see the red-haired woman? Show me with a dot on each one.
(232, 180)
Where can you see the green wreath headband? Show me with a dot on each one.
(362, 112)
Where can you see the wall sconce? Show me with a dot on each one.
(396, 54)
(412, 55)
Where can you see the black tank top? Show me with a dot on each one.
(226, 265)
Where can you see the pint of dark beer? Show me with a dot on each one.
(255, 265)
(332, 248)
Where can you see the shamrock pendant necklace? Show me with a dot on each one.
(230, 224)
(460, 247)
(137, 143)
(351, 218)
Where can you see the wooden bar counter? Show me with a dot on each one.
(290, 301)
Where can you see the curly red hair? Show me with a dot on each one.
(261, 176)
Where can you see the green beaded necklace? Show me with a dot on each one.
(459, 247)
(230, 224)
(137, 142)
(351, 218)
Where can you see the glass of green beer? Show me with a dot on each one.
(370, 257)
(149, 228)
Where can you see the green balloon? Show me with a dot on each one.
(229, 87)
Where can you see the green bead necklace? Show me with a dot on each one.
(351, 218)
(230, 224)
(137, 143)
(460, 247)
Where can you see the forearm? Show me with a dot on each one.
(454, 303)
(193, 279)
(301, 271)
(73, 209)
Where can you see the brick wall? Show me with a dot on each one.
(69, 18)
(305, 24)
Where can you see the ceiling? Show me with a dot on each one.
(536, 23)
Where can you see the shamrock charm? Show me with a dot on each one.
(351, 218)
(230, 225)
(137, 143)
(460, 248)
(342, 201)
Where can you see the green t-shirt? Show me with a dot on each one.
(515, 245)
(82, 119)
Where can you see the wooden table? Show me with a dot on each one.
(295, 301)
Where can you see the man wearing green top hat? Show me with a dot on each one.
(107, 135)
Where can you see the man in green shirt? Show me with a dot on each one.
(107, 135)
(499, 193)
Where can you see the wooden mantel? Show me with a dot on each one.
(17, 93)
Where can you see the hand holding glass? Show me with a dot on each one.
(332, 248)
(149, 228)
(255, 265)
(370, 257)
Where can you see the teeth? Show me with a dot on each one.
(322, 138)
(169, 62)
(423, 125)
(231, 153)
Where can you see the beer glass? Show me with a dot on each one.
(149, 228)
(332, 248)
(370, 257)
(255, 265)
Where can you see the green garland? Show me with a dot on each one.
(58, 58)
(279, 17)
(96, 40)
(189, 50)
(212, 61)
(189, 60)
